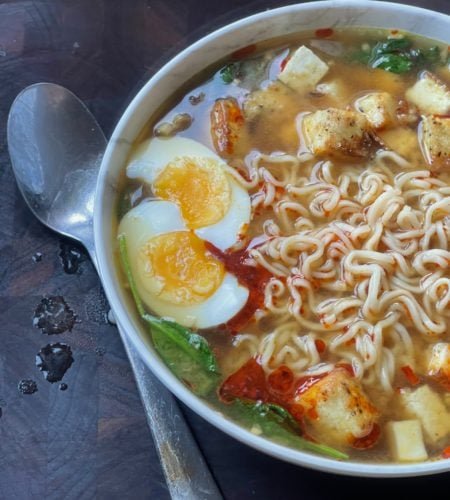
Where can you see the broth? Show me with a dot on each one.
(340, 237)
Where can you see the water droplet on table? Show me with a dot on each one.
(37, 257)
(72, 256)
(27, 386)
(54, 360)
(53, 315)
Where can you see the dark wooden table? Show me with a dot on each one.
(92, 440)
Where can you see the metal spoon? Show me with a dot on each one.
(56, 147)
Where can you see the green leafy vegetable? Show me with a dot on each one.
(392, 55)
(183, 359)
(186, 353)
(392, 62)
(391, 45)
(192, 343)
(432, 55)
(126, 266)
(397, 55)
(229, 72)
(276, 423)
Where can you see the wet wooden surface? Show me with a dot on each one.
(92, 441)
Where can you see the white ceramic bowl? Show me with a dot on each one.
(208, 50)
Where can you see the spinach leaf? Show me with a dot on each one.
(394, 63)
(397, 55)
(127, 268)
(392, 55)
(276, 423)
(392, 45)
(183, 362)
(432, 55)
(229, 72)
(186, 353)
(193, 344)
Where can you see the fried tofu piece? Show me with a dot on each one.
(303, 70)
(427, 406)
(227, 126)
(379, 109)
(405, 441)
(435, 135)
(336, 407)
(439, 364)
(430, 95)
(337, 132)
(275, 99)
(273, 109)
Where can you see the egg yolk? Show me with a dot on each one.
(180, 269)
(200, 188)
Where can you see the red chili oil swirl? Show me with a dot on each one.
(280, 387)
(368, 441)
(281, 380)
(249, 382)
(253, 278)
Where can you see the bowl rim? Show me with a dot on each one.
(124, 315)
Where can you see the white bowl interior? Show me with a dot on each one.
(269, 24)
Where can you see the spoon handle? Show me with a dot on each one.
(187, 474)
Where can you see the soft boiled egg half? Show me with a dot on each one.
(212, 204)
(175, 275)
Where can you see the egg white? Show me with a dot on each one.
(153, 218)
(225, 233)
(153, 155)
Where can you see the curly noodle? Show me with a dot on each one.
(359, 258)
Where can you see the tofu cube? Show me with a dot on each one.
(336, 408)
(303, 70)
(439, 364)
(406, 441)
(426, 405)
(379, 109)
(430, 95)
(337, 132)
(435, 135)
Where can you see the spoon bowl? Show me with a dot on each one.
(56, 166)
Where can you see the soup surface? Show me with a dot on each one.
(288, 216)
